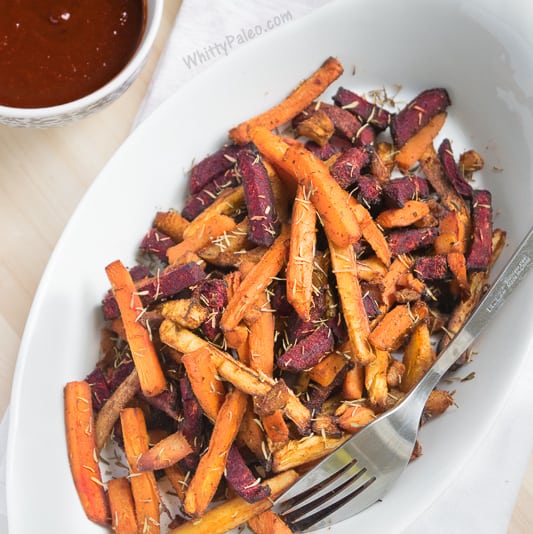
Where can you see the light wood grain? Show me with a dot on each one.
(43, 175)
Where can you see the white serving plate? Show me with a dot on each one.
(481, 50)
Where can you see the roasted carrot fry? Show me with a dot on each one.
(376, 379)
(331, 201)
(418, 356)
(79, 423)
(210, 470)
(371, 232)
(234, 512)
(164, 453)
(143, 485)
(396, 324)
(178, 479)
(256, 281)
(353, 385)
(261, 345)
(233, 241)
(457, 265)
(451, 236)
(299, 272)
(325, 371)
(275, 427)
(296, 102)
(146, 361)
(207, 387)
(345, 268)
(261, 338)
(411, 212)
(251, 434)
(268, 523)
(413, 149)
(171, 223)
(122, 506)
(398, 267)
(109, 414)
(225, 204)
(207, 232)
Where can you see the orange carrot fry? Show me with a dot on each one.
(225, 204)
(331, 201)
(146, 361)
(344, 266)
(164, 453)
(202, 373)
(261, 338)
(122, 506)
(143, 485)
(213, 227)
(234, 512)
(353, 385)
(257, 280)
(299, 272)
(371, 232)
(261, 344)
(327, 369)
(418, 356)
(296, 102)
(275, 427)
(268, 523)
(251, 433)
(79, 423)
(178, 479)
(451, 236)
(398, 267)
(411, 212)
(457, 264)
(210, 469)
(171, 223)
(396, 324)
(413, 149)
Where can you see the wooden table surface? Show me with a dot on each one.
(43, 175)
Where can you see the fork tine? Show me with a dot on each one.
(301, 497)
(301, 508)
(310, 520)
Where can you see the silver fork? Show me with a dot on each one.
(360, 472)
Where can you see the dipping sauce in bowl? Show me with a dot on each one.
(61, 60)
(57, 51)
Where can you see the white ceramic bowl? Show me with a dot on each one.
(482, 51)
(46, 117)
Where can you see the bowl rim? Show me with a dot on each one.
(152, 25)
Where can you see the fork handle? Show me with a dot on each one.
(509, 278)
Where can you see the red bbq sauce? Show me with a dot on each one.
(56, 51)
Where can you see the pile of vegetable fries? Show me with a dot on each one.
(323, 259)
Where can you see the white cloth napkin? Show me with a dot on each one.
(482, 499)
